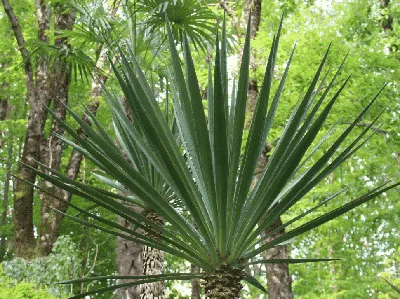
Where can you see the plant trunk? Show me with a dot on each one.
(279, 281)
(196, 286)
(224, 283)
(130, 261)
(153, 263)
(4, 236)
(136, 259)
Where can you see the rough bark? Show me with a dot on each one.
(224, 283)
(279, 281)
(153, 263)
(51, 147)
(195, 283)
(52, 154)
(254, 6)
(137, 259)
(23, 192)
(130, 261)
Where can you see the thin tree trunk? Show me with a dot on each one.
(3, 116)
(3, 243)
(3, 109)
(331, 249)
(196, 286)
(136, 259)
(130, 261)
(332, 269)
(279, 281)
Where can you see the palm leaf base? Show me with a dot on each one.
(224, 283)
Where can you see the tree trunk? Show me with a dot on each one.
(137, 259)
(196, 286)
(130, 261)
(153, 263)
(24, 239)
(4, 215)
(51, 147)
(50, 83)
(279, 282)
(3, 111)
(51, 221)
(224, 283)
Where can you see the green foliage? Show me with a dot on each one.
(351, 25)
(228, 219)
(11, 289)
(393, 286)
(354, 24)
(62, 264)
(190, 17)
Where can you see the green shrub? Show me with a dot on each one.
(10, 289)
(62, 264)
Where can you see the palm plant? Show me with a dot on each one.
(208, 175)
(187, 17)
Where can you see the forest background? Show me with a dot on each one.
(55, 52)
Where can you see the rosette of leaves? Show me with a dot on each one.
(219, 219)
